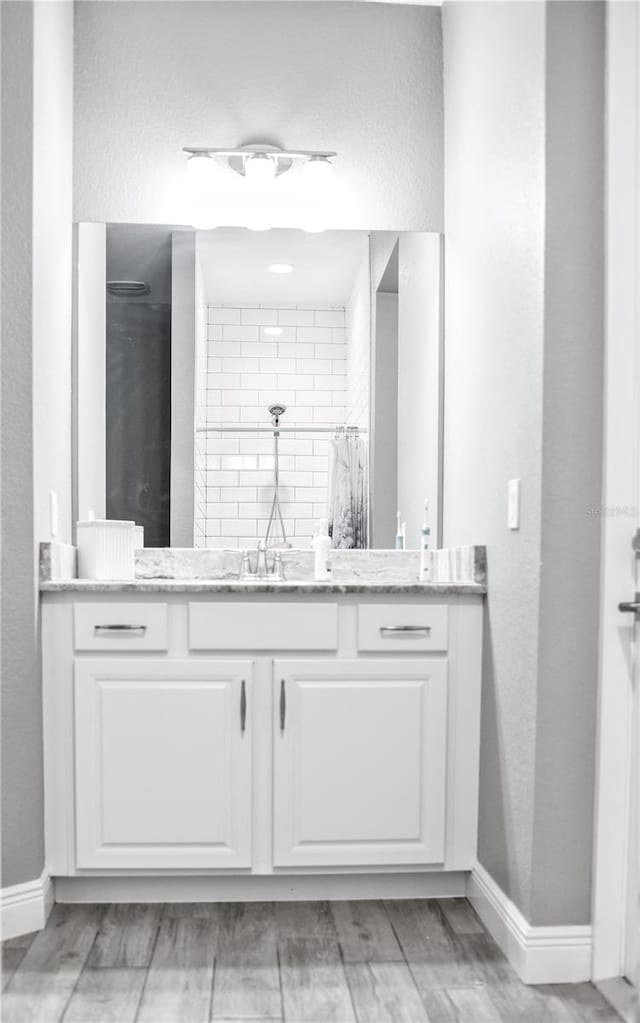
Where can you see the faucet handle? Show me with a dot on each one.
(245, 567)
(277, 572)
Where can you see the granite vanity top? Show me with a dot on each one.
(184, 570)
(218, 586)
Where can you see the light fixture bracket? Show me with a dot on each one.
(283, 158)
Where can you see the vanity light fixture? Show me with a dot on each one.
(260, 165)
(263, 162)
(281, 268)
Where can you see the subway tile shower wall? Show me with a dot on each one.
(247, 369)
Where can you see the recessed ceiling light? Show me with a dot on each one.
(273, 331)
(281, 268)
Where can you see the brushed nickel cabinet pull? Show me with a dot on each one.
(243, 706)
(120, 628)
(405, 630)
(283, 704)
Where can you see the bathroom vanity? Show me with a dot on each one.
(198, 727)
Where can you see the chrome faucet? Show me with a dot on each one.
(260, 569)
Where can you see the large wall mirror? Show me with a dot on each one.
(237, 386)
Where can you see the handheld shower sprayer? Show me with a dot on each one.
(276, 411)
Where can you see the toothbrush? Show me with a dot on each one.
(399, 533)
(425, 554)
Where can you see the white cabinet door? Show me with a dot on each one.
(360, 762)
(162, 763)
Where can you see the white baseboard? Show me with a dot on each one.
(25, 907)
(258, 888)
(539, 955)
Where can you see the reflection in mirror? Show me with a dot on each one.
(138, 379)
(257, 382)
(287, 325)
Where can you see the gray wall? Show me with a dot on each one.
(37, 49)
(523, 224)
(571, 463)
(22, 804)
(494, 288)
(384, 421)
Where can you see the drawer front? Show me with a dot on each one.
(408, 628)
(120, 627)
(265, 626)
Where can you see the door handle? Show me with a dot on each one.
(243, 706)
(630, 606)
(283, 704)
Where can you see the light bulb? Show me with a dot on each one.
(258, 222)
(314, 226)
(317, 172)
(281, 268)
(200, 181)
(260, 169)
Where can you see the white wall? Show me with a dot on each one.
(362, 79)
(304, 368)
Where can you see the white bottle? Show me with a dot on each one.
(425, 551)
(321, 544)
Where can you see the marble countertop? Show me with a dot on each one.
(266, 586)
(200, 570)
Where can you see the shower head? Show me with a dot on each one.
(275, 412)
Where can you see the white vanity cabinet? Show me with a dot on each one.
(162, 763)
(359, 762)
(204, 733)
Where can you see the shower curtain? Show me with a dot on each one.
(348, 510)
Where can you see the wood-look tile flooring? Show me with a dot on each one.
(299, 962)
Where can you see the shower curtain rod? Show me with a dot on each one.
(280, 429)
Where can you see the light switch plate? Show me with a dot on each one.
(513, 513)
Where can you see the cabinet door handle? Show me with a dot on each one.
(243, 706)
(405, 630)
(283, 704)
(129, 629)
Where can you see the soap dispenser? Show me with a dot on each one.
(321, 544)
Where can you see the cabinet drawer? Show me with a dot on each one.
(118, 627)
(263, 626)
(408, 628)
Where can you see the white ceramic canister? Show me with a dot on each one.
(106, 549)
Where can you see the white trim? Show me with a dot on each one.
(615, 698)
(259, 888)
(25, 907)
(539, 955)
(90, 370)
